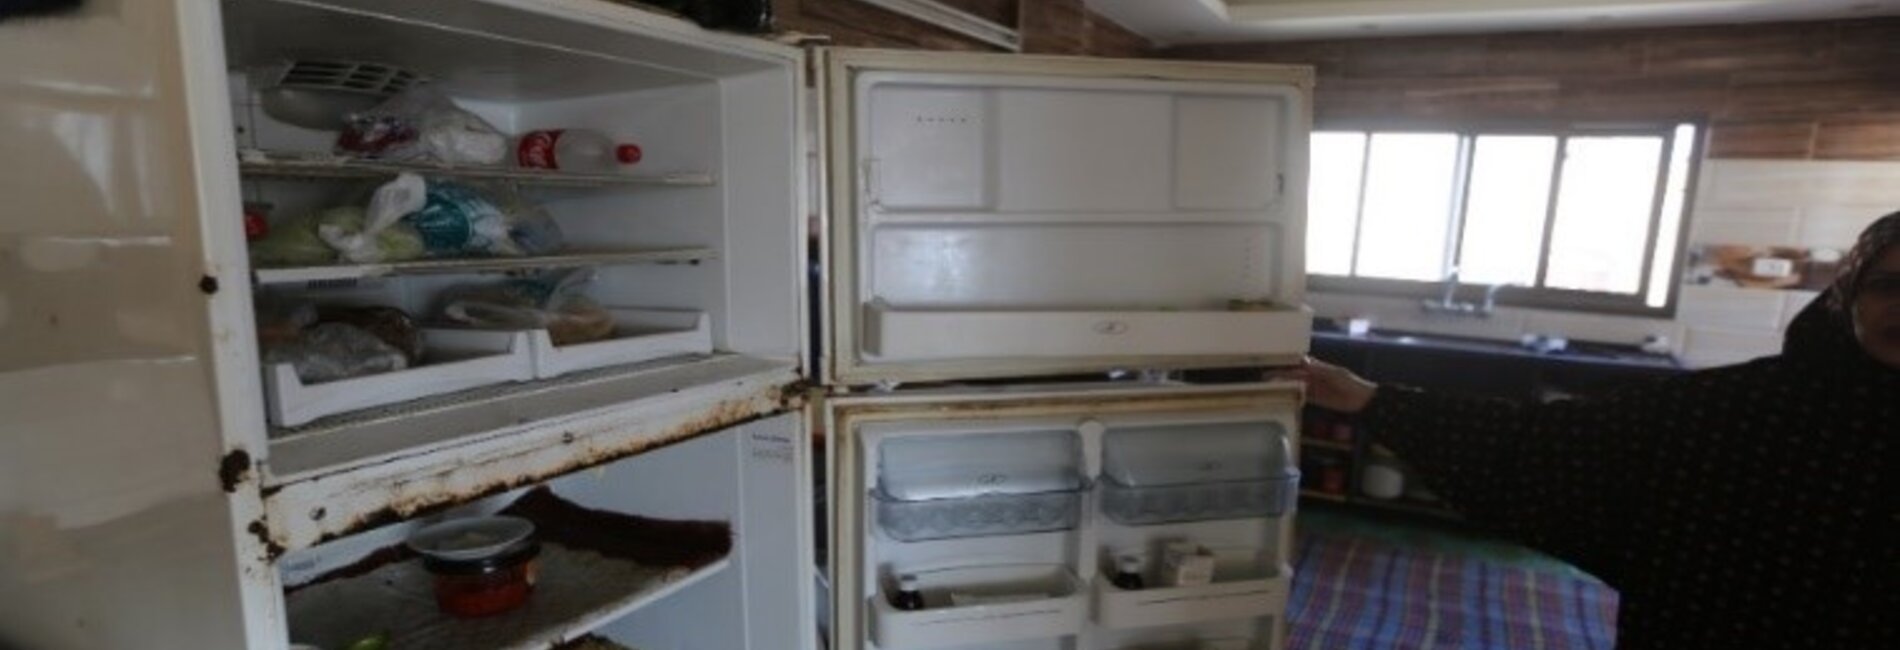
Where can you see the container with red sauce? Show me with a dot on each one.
(474, 588)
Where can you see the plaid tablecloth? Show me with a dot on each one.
(1354, 592)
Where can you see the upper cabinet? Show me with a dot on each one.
(998, 216)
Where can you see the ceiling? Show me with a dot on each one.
(1171, 22)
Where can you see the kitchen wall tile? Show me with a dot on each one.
(1762, 233)
(1768, 183)
(1745, 214)
(1837, 226)
(1792, 304)
(1730, 308)
(1709, 347)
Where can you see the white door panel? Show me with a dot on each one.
(1047, 578)
(125, 488)
(974, 196)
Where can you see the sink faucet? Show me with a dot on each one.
(1447, 303)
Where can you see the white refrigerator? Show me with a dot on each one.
(1021, 252)
(985, 224)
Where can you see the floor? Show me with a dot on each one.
(1370, 581)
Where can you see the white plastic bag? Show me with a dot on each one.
(422, 124)
(361, 244)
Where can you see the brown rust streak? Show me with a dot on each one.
(272, 549)
(725, 414)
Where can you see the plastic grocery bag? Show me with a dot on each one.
(376, 233)
(331, 351)
(422, 124)
(552, 301)
(530, 227)
(457, 220)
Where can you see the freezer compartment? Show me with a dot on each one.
(1246, 585)
(1143, 506)
(1012, 602)
(999, 514)
(899, 334)
(457, 360)
(639, 335)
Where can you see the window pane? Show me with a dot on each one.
(1332, 201)
(1408, 206)
(1603, 209)
(1661, 280)
(1505, 208)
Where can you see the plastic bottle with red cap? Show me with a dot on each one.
(574, 150)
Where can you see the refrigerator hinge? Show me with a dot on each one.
(1281, 180)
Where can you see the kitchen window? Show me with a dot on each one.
(1582, 218)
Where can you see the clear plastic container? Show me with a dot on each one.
(1168, 474)
(998, 514)
(1140, 506)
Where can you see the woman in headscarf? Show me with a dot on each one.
(1750, 506)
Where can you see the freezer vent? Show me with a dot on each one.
(352, 76)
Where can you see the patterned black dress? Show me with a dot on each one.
(1752, 506)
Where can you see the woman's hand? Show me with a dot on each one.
(1331, 387)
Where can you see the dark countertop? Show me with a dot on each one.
(1582, 352)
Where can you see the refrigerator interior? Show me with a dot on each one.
(674, 586)
(713, 202)
(1075, 216)
(1002, 512)
(695, 252)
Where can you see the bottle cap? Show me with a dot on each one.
(1129, 564)
(627, 153)
(907, 582)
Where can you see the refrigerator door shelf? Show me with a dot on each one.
(1027, 601)
(927, 467)
(897, 334)
(1219, 601)
(1219, 452)
(1142, 506)
(988, 515)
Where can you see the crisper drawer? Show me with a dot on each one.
(639, 335)
(983, 604)
(461, 359)
(894, 334)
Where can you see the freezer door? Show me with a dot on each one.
(127, 472)
(997, 503)
(998, 216)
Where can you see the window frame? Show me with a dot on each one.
(1539, 297)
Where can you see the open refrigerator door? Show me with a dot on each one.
(1012, 216)
(293, 299)
(1079, 517)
